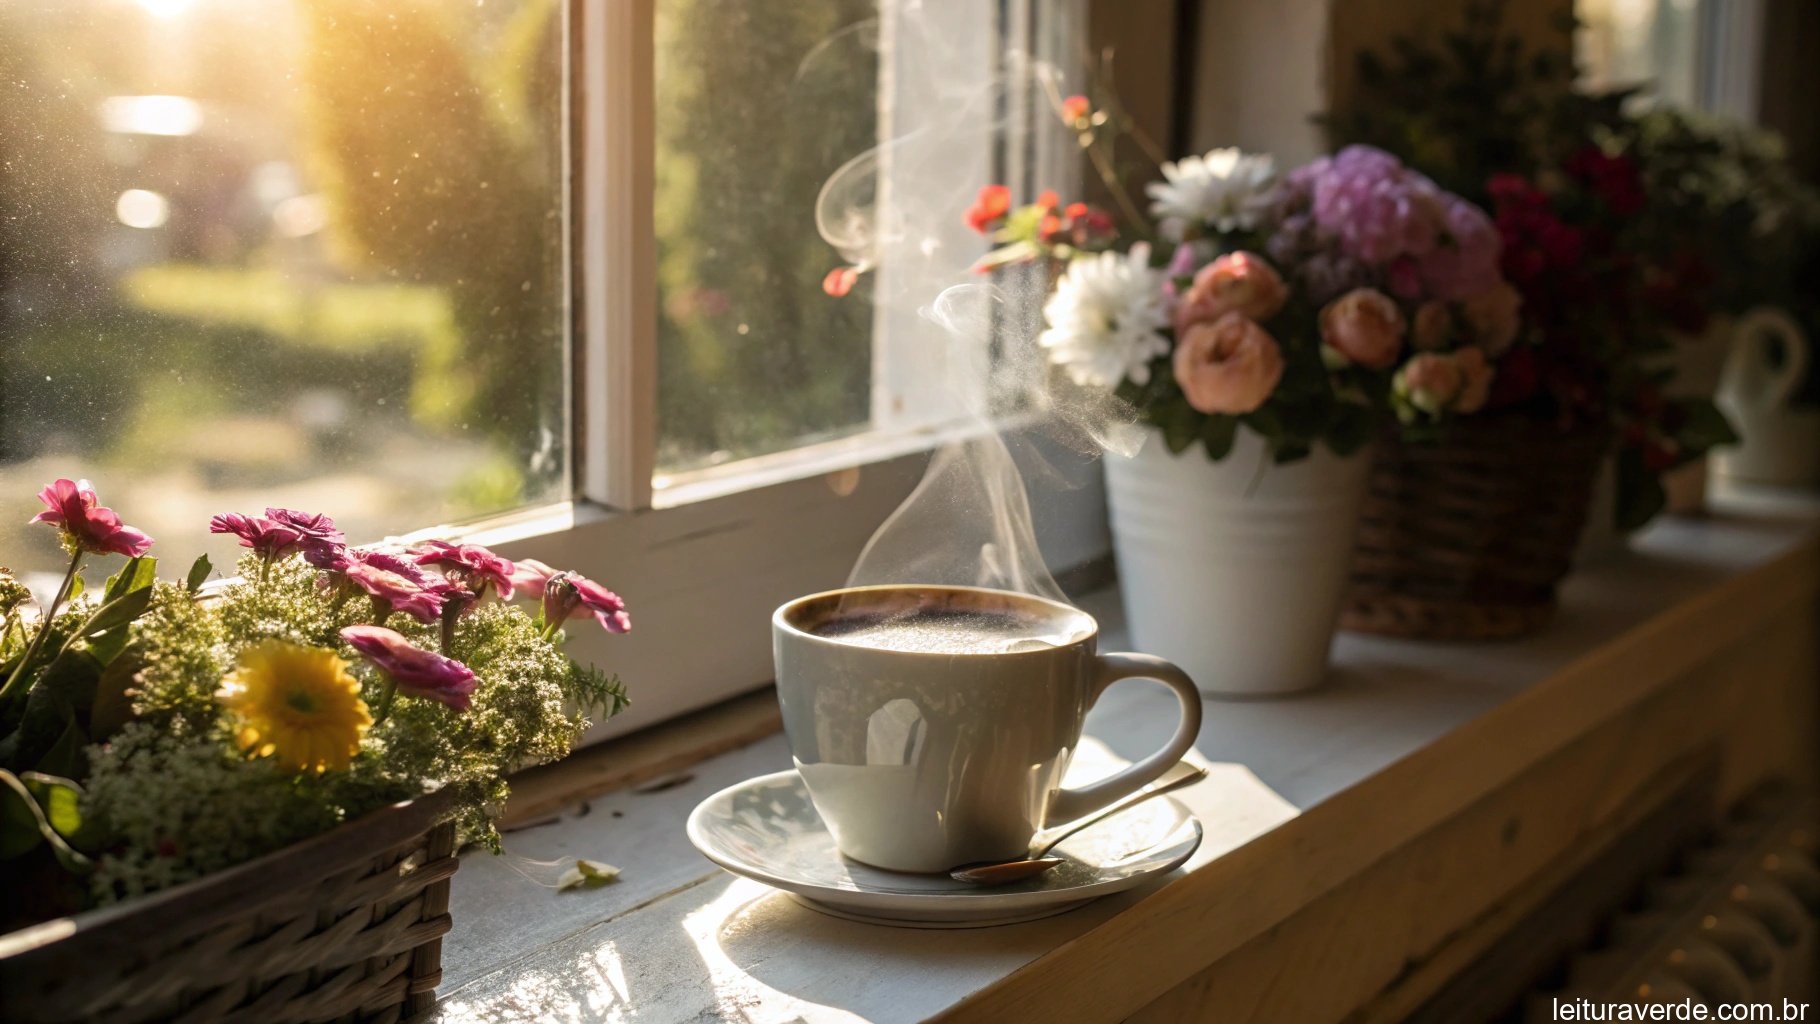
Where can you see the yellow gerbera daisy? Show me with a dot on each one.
(297, 703)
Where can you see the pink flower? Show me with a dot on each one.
(1443, 382)
(566, 593)
(269, 540)
(1365, 326)
(1468, 263)
(1238, 282)
(1430, 382)
(322, 544)
(398, 583)
(530, 576)
(1228, 366)
(86, 525)
(1433, 326)
(417, 672)
(469, 564)
(1376, 207)
(1494, 316)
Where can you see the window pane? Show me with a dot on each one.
(1632, 42)
(291, 252)
(757, 104)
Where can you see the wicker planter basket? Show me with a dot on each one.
(1467, 538)
(346, 926)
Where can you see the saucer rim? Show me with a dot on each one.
(963, 901)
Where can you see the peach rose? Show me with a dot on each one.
(1365, 326)
(1433, 326)
(1228, 366)
(1238, 282)
(1493, 318)
(1475, 380)
(1430, 382)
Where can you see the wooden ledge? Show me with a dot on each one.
(1350, 832)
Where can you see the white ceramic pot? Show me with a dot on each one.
(1235, 570)
(1780, 442)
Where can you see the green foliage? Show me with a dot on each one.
(178, 799)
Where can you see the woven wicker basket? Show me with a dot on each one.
(346, 926)
(1467, 538)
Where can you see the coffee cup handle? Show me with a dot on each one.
(1069, 804)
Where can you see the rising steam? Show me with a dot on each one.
(895, 211)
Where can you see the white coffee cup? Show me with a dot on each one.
(923, 760)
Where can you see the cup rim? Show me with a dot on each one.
(781, 624)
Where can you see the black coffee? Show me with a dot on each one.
(942, 631)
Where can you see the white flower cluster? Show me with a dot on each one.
(1225, 190)
(1105, 318)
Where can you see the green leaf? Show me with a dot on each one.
(18, 824)
(1640, 494)
(59, 798)
(199, 573)
(77, 586)
(1265, 422)
(1704, 428)
(20, 803)
(136, 574)
(118, 612)
(1351, 429)
(68, 757)
(71, 677)
(1180, 427)
(1217, 434)
(588, 874)
(1292, 451)
(113, 706)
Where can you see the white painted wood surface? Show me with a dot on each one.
(678, 940)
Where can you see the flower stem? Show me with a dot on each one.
(44, 628)
(385, 702)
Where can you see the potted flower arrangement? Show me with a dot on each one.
(1604, 288)
(1290, 320)
(241, 801)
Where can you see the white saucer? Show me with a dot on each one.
(767, 829)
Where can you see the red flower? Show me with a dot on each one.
(417, 672)
(86, 525)
(1614, 178)
(1049, 228)
(1047, 200)
(270, 540)
(840, 281)
(989, 208)
(469, 564)
(1075, 109)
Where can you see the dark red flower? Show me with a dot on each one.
(567, 593)
(73, 507)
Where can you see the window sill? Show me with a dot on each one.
(1308, 795)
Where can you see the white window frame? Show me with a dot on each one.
(703, 573)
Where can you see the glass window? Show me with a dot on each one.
(1633, 42)
(756, 106)
(281, 252)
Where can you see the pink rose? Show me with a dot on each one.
(1228, 366)
(1493, 316)
(1433, 326)
(417, 672)
(1238, 282)
(1365, 326)
(72, 507)
(1430, 382)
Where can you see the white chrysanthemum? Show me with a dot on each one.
(1225, 189)
(1104, 318)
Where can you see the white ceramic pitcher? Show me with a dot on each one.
(1780, 441)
